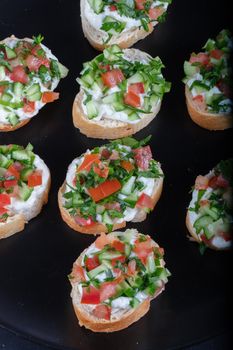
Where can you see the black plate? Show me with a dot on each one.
(34, 289)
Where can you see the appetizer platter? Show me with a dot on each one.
(50, 270)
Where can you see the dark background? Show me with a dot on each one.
(35, 298)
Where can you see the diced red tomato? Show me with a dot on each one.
(201, 182)
(88, 161)
(2, 211)
(4, 199)
(90, 295)
(199, 101)
(35, 179)
(227, 236)
(102, 311)
(107, 290)
(112, 8)
(105, 153)
(136, 88)
(201, 58)
(128, 166)
(101, 170)
(140, 4)
(82, 221)
(78, 274)
(132, 99)
(119, 246)
(29, 106)
(19, 75)
(217, 54)
(205, 239)
(49, 96)
(145, 201)
(120, 259)
(101, 241)
(13, 171)
(142, 157)
(33, 62)
(131, 267)
(222, 182)
(143, 249)
(9, 183)
(112, 77)
(37, 51)
(155, 12)
(113, 206)
(104, 190)
(92, 263)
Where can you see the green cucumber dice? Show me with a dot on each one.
(13, 118)
(25, 192)
(2, 73)
(129, 186)
(21, 155)
(96, 5)
(92, 111)
(99, 269)
(25, 173)
(202, 224)
(63, 70)
(10, 53)
(189, 69)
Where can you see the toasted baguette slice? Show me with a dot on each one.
(135, 213)
(102, 318)
(209, 99)
(211, 224)
(19, 211)
(110, 124)
(29, 104)
(125, 39)
(210, 121)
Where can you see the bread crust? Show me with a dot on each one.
(8, 127)
(104, 129)
(16, 223)
(98, 228)
(210, 121)
(124, 40)
(101, 325)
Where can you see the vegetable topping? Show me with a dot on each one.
(28, 74)
(128, 269)
(116, 86)
(211, 206)
(209, 75)
(111, 183)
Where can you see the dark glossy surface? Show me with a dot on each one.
(34, 290)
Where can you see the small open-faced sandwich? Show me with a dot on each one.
(115, 279)
(121, 92)
(208, 84)
(108, 22)
(29, 73)
(209, 217)
(110, 185)
(24, 187)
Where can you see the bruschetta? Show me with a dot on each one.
(120, 93)
(29, 73)
(115, 278)
(24, 187)
(123, 23)
(109, 186)
(208, 84)
(209, 217)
